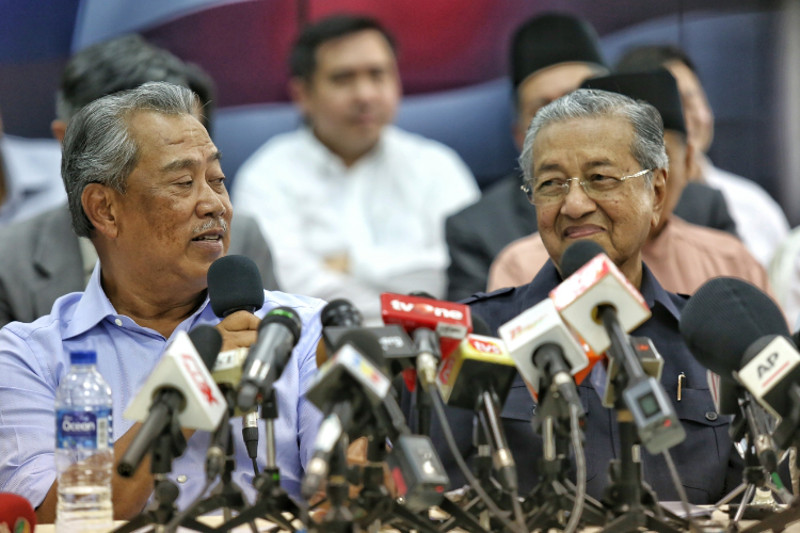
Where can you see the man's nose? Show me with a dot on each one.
(577, 203)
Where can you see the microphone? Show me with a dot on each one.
(742, 327)
(477, 376)
(278, 334)
(16, 514)
(181, 385)
(538, 339)
(347, 388)
(601, 305)
(593, 284)
(234, 284)
(451, 321)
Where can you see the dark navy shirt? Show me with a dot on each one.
(708, 465)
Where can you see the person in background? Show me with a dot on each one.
(351, 205)
(681, 255)
(48, 259)
(572, 141)
(29, 178)
(551, 55)
(760, 221)
(144, 184)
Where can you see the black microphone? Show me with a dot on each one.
(726, 322)
(278, 334)
(234, 284)
(342, 313)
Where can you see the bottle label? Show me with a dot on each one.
(83, 429)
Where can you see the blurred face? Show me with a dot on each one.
(620, 223)
(353, 93)
(546, 85)
(699, 118)
(173, 218)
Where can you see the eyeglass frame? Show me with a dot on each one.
(528, 190)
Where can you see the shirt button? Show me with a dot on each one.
(711, 415)
(181, 478)
(117, 321)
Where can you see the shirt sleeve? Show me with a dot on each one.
(308, 416)
(28, 382)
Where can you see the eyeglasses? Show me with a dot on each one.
(596, 187)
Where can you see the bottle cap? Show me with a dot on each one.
(83, 357)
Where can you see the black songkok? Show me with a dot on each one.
(549, 39)
(656, 87)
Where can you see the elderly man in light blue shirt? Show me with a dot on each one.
(145, 185)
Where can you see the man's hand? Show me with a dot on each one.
(238, 330)
(338, 262)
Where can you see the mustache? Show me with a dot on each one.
(210, 224)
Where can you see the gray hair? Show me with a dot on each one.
(98, 146)
(647, 146)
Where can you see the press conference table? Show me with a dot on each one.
(263, 525)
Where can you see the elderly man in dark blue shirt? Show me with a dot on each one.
(596, 169)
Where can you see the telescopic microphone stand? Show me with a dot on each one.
(628, 497)
(227, 495)
(272, 501)
(169, 444)
(554, 495)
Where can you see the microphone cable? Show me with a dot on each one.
(580, 469)
(438, 407)
(676, 480)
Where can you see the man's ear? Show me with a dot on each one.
(59, 129)
(99, 204)
(300, 92)
(660, 178)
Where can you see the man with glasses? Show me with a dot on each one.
(681, 255)
(597, 167)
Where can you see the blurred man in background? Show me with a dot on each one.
(352, 206)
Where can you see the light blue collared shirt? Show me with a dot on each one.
(35, 357)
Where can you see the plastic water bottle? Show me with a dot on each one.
(84, 452)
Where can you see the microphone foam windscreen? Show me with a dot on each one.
(577, 255)
(723, 318)
(16, 513)
(234, 284)
(367, 343)
(208, 342)
(340, 312)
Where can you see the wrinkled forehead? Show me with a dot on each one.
(583, 140)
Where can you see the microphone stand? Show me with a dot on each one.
(784, 435)
(555, 493)
(628, 497)
(226, 495)
(272, 500)
(169, 444)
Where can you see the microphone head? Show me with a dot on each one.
(234, 284)
(16, 513)
(723, 318)
(208, 342)
(285, 316)
(577, 255)
(341, 312)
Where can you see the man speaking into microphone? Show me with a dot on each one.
(144, 183)
(596, 169)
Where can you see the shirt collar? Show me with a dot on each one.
(333, 163)
(94, 307)
(651, 290)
